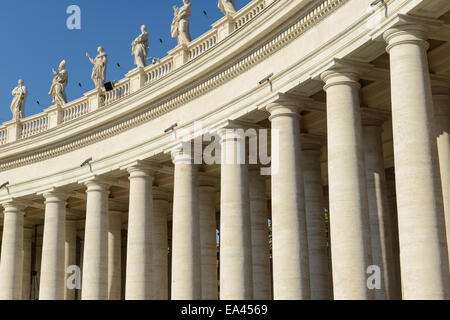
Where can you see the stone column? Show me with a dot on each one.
(186, 256)
(26, 282)
(289, 239)
(349, 216)
(11, 267)
(95, 253)
(160, 246)
(379, 215)
(236, 281)
(71, 255)
(114, 256)
(315, 221)
(138, 278)
(441, 98)
(262, 288)
(52, 283)
(208, 242)
(423, 244)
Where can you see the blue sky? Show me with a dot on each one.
(34, 39)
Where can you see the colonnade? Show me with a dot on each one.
(362, 232)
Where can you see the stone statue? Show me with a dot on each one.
(180, 23)
(227, 7)
(58, 89)
(140, 48)
(99, 70)
(20, 94)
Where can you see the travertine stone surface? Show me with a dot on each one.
(115, 256)
(423, 245)
(290, 246)
(349, 216)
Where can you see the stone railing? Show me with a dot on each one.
(75, 109)
(135, 80)
(249, 12)
(202, 44)
(34, 125)
(158, 70)
(3, 135)
(121, 89)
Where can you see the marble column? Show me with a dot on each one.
(70, 255)
(115, 256)
(53, 276)
(160, 246)
(138, 278)
(349, 215)
(379, 214)
(11, 267)
(208, 243)
(289, 238)
(423, 245)
(441, 99)
(186, 256)
(262, 288)
(315, 221)
(95, 252)
(236, 281)
(26, 282)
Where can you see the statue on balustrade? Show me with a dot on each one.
(58, 89)
(180, 23)
(99, 70)
(20, 94)
(227, 7)
(140, 48)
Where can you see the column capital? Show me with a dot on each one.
(373, 117)
(344, 72)
(140, 167)
(97, 183)
(14, 205)
(54, 195)
(410, 30)
(285, 104)
(181, 154)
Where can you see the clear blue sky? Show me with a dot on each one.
(34, 39)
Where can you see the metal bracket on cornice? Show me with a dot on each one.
(87, 162)
(5, 185)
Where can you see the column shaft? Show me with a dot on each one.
(186, 256)
(115, 256)
(11, 267)
(315, 221)
(423, 245)
(262, 288)
(52, 284)
(379, 215)
(349, 218)
(26, 282)
(236, 282)
(289, 238)
(208, 242)
(95, 253)
(160, 247)
(138, 279)
(71, 255)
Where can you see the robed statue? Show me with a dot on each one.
(227, 7)
(99, 69)
(20, 94)
(140, 47)
(58, 89)
(180, 23)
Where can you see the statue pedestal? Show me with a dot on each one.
(224, 27)
(180, 55)
(14, 129)
(55, 116)
(96, 99)
(137, 77)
